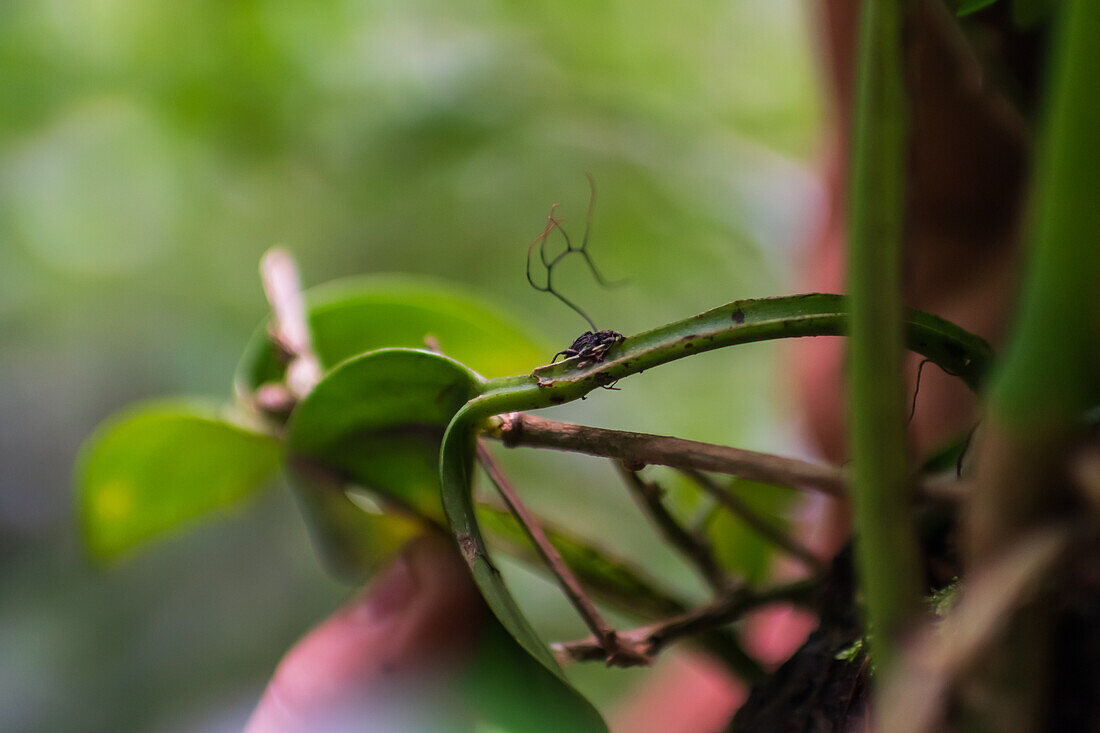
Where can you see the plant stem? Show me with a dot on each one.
(1049, 373)
(887, 553)
(655, 637)
(609, 577)
(615, 651)
(640, 449)
(743, 321)
(691, 547)
(758, 524)
(636, 450)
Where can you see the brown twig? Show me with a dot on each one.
(695, 550)
(615, 581)
(605, 575)
(616, 651)
(653, 638)
(639, 449)
(758, 524)
(289, 329)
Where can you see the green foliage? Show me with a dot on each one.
(1050, 365)
(740, 549)
(512, 691)
(375, 421)
(743, 321)
(157, 466)
(399, 425)
(614, 580)
(943, 599)
(152, 150)
(350, 317)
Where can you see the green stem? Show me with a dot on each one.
(1050, 363)
(957, 351)
(744, 321)
(1048, 377)
(887, 554)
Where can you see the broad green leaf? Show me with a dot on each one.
(456, 472)
(374, 422)
(350, 534)
(353, 316)
(972, 6)
(157, 466)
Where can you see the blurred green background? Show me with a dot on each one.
(150, 152)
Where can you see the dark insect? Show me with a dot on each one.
(591, 346)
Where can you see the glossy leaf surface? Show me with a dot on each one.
(351, 317)
(155, 467)
(374, 422)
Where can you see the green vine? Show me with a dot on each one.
(955, 350)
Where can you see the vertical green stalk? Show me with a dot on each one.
(886, 545)
(1049, 366)
(1050, 372)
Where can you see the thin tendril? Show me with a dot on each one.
(916, 391)
(553, 223)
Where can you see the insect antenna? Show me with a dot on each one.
(549, 263)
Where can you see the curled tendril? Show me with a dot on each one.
(549, 263)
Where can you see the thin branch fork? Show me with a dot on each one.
(737, 506)
(615, 650)
(653, 638)
(694, 549)
(639, 449)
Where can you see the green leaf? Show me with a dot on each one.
(456, 472)
(514, 693)
(350, 533)
(375, 422)
(612, 579)
(157, 466)
(353, 316)
(972, 6)
(738, 547)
